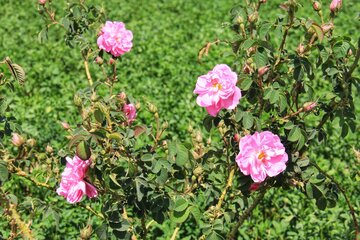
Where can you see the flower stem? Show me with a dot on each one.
(173, 236)
(246, 214)
(228, 185)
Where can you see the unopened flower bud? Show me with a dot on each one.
(86, 232)
(138, 105)
(152, 108)
(263, 70)
(198, 171)
(251, 51)
(327, 27)
(335, 5)
(253, 17)
(17, 139)
(49, 149)
(165, 125)
(316, 6)
(309, 106)
(262, 1)
(208, 142)
(112, 61)
(198, 137)
(350, 53)
(190, 129)
(300, 49)
(122, 96)
(99, 60)
(77, 100)
(237, 137)
(42, 2)
(31, 142)
(254, 187)
(240, 20)
(65, 125)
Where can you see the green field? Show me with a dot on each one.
(162, 68)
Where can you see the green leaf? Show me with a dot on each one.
(83, 150)
(4, 173)
(246, 84)
(248, 120)
(181, 204)
(295, 134)
(264, 29)
(101, 232)
(208, 123)
(318, 31)
(321, 203)
(180, 152)
(99, 116)
(180, 217)
(260, 58)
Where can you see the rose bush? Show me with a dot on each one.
(141, 177)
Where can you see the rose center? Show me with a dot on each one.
(262, 156)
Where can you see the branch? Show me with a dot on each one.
(228, 185)
(246, 214)
(173, 236)
(355, 63)
(352, 211)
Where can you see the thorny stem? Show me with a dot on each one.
(352, 211)
(246, 214)
(143, 224)
(355, 64)
(176, 230)
(228, 185)
(88, 75)
(100, 215)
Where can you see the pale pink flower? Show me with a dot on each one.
(218, 90)
(115, 38)
(261, 155)
(130, 112)
(335, 5)
(72, 185)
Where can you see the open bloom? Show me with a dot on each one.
(115, 38)
(130, 112)
(261, 155)
(218, 90)
(335, 5)
(72, 185)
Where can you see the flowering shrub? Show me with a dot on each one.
(135, 175)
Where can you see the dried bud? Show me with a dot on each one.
(327, 27)
(138, 105)
(122, 96)
(247, 69)
(17, 139)
(112, 61)
(254, 187)
(253, 17)
(316, 6)
(335, 5)
(49, 149)
(190, 129)
(99, 60)
(263, 70)
(31, 142)
(208, 142)
(198, 137)
(165, 125)
(239, 20)
(350, 53)
(86, 232)
(42, 2)
(251, 51)
(300, 49)
(77, 100)
(309, 106)
(198, 171)
(237, 137)
(65, 125)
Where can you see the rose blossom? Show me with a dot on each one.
(115, 38)
(218, 90)
(130, 112)
(335, 5)
(261, 155)
(72, 185)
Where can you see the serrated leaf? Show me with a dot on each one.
(180, 217)
(318, 31)
(181, 204)
(4, 173)
(247, 121)
(260, 58)
(294, 134)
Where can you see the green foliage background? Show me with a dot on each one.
(162, 68)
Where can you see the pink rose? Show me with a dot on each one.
(17, 139)
(72, 185)
(335, 5)
(218, 90)
(261, 155)
(115, 38)
(130, 112)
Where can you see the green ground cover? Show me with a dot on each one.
(162, 68)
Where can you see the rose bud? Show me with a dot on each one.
(327, 27)
(247, 69)
(263, 70)
(316, 6)
(49, 149)
(309, 106)
(17, 139)
(254, 187)
(99, 60)
(42, 2)
(65, 125)
(112, 61)
(253, 17)
(236, 137)
(300, 49)
(122, 96)
(335, 5)
(262, 1)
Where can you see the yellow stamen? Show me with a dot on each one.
(218, 86)
(262, 155)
